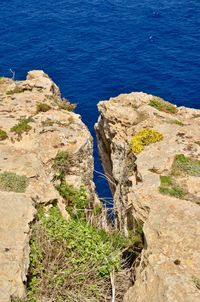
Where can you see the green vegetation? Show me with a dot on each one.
(10, 181)
(174, 121)
(143, 138)
(169, 187)
(22, 126)
(61, 163)
(197, 142)
(71, 260)
(185, 165)
(66, 105)
(162, 105)
(17, 89)
(42, 107)
(3, 135)
(77, 200)
(97, 210)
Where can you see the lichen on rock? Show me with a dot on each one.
(171, 257)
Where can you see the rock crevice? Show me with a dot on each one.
(38, 124)
(150, 189)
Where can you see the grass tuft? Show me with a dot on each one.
(185, 165)
(66, 105)
(143, 138)
(12, 182)
(42, 107)
(162, 105)
(169, 187)
(3, 135)
(22, 126)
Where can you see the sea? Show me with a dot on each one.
(95, 49)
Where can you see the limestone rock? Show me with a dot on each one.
(31, 153)
(170, 260)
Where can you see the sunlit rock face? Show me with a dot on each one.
(159, 187)
(28, 151)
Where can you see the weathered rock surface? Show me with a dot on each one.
(31, 154)
(169, 270)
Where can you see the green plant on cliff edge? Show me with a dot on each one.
(143, 138)
(71, 260)
(3, 135)
(42, 107)
(61, 163)
(168, 186)
(10, 181)
(162, 105)
(66, 105)
(76, 200)
(185, 165)
(22, 126)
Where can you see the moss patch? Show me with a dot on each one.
(185, 165)
(162, 105)
(143, 138)
(22, 126)
(3, 135)
(42, 107)
(10, 181)
(169, 187)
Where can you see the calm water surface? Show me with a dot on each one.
(97, 49)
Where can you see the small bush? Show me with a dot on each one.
(42, 107)
(61, 163)
(66, 105)
(197, 142)
(143, 138)
(169, 187)
(10, 181)
(22, 126)
(17, 89)
(185, 165)
(77, 200)
(3, 135)
(71, 260)
(162, 105)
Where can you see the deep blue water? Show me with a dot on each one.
(97, 49)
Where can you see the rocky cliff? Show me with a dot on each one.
(36, 127)
(150, 150)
